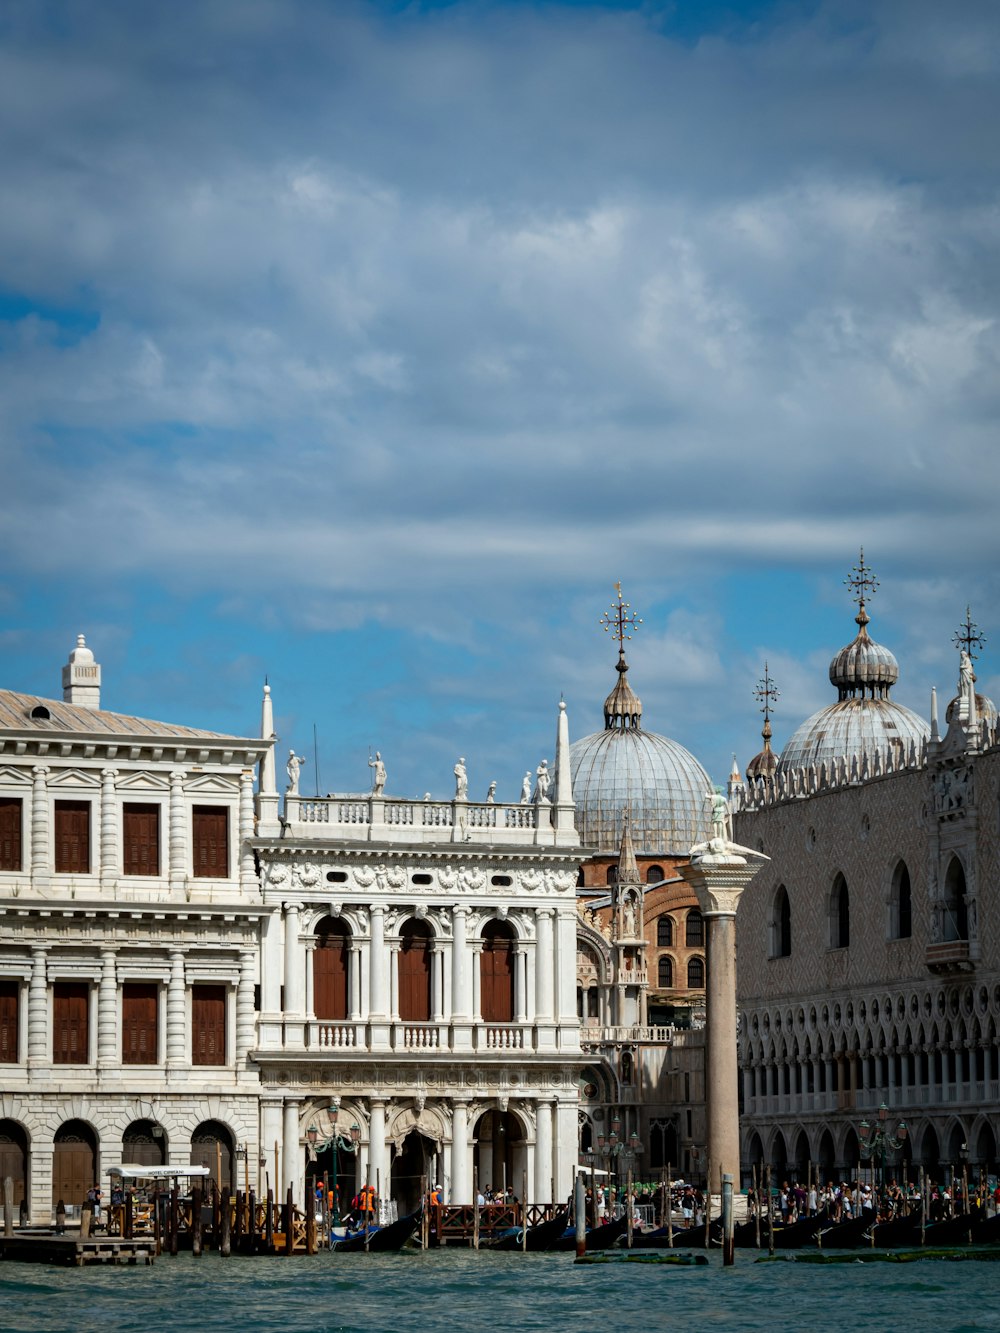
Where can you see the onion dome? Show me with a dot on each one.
(763, 766)
(625, 768)
(864, 720)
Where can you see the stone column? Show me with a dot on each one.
(378, 1158)
(248, 877)
(544, 1168)
(394, 982)
(378, 1003)
(177, 839)
(38, 1010)
(41, 847)
(107, 1012)
(520, 984)
(244, 1009)
(719, 872)
(309, 945)
(292, 1163)
(544, 958)
(110, 867)
(437, 985)
(177, 1054)
(354, 984)
(461, 1190)
(294, 960)
(459, 962)
(477, 982)
(269, 1035)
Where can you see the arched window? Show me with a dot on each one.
(956, 913)
(900, 904)
(654, 874)
(496, 973)
(840, 914)
(330, 969)
(664, 931)
(612, 875)
(665, 972)
(694, 930)
(696, 974)
(415, 972)
(781, 924)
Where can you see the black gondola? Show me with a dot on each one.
(598, 1238)
(540, 1237)
(392, 1236)
(847, 1235)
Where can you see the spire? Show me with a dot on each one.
(268, 822)
(622, 707)
(762, 767)
(563, 784)
(81, 677)
(935, 734)
(864, 669)
(628, 869)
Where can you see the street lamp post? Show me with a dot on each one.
(338, 1143)
(877, 1143)
(618, 1152)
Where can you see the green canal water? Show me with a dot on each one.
(458, 1289)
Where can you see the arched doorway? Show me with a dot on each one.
(827, 1155)
(852, 1153)
(144, 1144)
(986, 1146)
(499, 1151)
(415, 972)
(801, 1164)
(930, 1150)
(74, 1162)
(779, 1155)
(496, 973)
(14, 1157)
(956, 912)
(212, 1146)
(331, 997)
(413, 1163)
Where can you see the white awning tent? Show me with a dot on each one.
(139, 1172)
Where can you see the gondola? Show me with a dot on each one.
(847, 1235)
(598, 1238)
(543, 1236)
(898, 1231)
(986, 1231)
(392, 1236)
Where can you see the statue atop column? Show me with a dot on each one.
(721, 817)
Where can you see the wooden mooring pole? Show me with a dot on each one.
(728, 1230)
(225, 1226)
(196, 1221)
(580, 1213)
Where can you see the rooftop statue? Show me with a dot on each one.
(378, 777)
(461, 781)
(293, 767)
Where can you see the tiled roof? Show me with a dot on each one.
(16, 710)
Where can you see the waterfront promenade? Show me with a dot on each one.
(441, 1291)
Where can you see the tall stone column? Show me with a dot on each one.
(477, 981)
(461, 1190)
(38, 1010)
(177, 833)
(378, 1158)
(41, 846)
(110, 867)
(544, 1167)
(437, 985)
(378, 1004)
(292, 1159)
(718, 872)
(544, 959)
(394, 982)
(177, 1056)
(107, 1012)
(295, 978)
(520, 984)
(354, 983)
(459, 962)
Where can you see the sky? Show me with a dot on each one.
(367, 346)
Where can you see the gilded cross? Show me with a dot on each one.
(968, 636)
(862, 581)
(618, 621)
(766, 693)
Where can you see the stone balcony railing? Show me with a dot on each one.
(596, 1034)
(323, 1035)
(380, 819)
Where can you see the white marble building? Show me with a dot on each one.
(190, 972)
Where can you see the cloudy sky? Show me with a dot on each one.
(367, 345)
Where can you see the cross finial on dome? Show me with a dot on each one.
(622, 708)
(968, 638)
(615, 619)
(767, 695)
(862, 581)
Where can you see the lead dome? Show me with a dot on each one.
(623, 767)
(864, 720)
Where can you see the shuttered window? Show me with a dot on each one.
(414, 962)
(139, 1000)
(496, 978)
(72, 827)
(10, 833)
(8, 1021)
(141, 838)
(330, 971)
(69, 1022)
(210, 841)
(208, 1025)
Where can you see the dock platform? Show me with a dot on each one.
(73, 1252)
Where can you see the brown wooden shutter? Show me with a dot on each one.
(10, 833)
(139, 1001)
(415, 979)
(69, 1022)
(330, 976)
(210, 841)
(72, 820)
(496, 974)
(8, 1021)
(141, 838)
(208, 1025)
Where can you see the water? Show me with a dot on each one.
(458, 1289)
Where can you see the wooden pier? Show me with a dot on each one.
(46, 1247)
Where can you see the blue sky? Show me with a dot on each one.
(367, 345)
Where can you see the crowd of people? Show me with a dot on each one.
(843, 1201)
